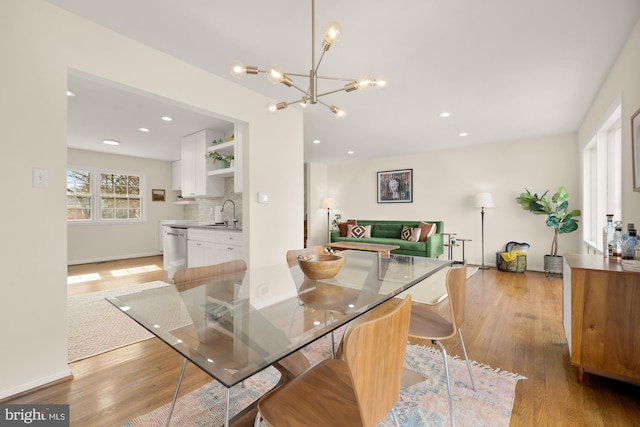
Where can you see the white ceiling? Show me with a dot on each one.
(504, 69)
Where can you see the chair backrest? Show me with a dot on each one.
(293, 254)
(198, 274)
(457, 289)
(375, 351)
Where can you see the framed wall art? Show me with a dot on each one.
(157, 195)
(395, 186)
(635, 148)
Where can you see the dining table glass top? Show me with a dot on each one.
(236, 324)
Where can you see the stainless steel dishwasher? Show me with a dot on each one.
(175, 249)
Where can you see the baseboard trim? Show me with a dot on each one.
(26, 388)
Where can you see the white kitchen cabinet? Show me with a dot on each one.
(207, 246)
(195, 180)
(201, 253)
(228, 246)
(176, 175)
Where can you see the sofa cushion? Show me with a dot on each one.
(343, 227)
(359, 231)
(410, 234)
(392, 231)
(426, 230)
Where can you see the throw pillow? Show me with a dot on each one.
(343, 227)
(410, 234)
(360, 231)
(427, 230)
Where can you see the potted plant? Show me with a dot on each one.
(225, 160)
(559, 217)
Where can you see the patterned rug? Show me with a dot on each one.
(96, 326)
(423, 404)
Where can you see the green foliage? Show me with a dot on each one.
(559, 217)
(219, 157)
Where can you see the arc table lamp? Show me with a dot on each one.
(483, 200)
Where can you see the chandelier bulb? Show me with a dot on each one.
(338, 112)
(366, 82)
(332, 33)
(237, 69)
(380, 83)
(275, 74)
(273, 107)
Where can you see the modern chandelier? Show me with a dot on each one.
(310, 95)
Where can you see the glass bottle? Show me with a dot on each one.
(607, 237)
(617, 241)
(629, 244)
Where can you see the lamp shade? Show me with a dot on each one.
(328, 203)
(483, 200)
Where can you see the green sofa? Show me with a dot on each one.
(387, 232)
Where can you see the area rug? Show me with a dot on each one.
(433, 289)
(423, 404)
(96, 326)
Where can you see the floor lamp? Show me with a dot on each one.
(483, 200)
(328, 203)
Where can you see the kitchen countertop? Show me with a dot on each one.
(202, 225)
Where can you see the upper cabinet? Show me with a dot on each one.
(201, 175)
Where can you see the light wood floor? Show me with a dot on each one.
(513, 323)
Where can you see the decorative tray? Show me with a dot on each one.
(631, 265)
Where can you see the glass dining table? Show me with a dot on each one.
(236, 324)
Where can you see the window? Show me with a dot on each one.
(78, 195)
(602, 179)
(120, 196)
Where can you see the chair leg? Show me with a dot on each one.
(396, 421)
(464, 349)
(446, 371)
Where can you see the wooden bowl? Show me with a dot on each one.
(319, 267)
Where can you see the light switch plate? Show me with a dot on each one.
(263, 197)
(40, 178)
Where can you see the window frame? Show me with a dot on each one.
(602, 179)
(96, 196)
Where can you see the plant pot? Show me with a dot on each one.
(223, 164)
(553, 264)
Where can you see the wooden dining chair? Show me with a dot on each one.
(358, 390)
(195, 275)
(427, 324)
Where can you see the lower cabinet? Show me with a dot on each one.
(207, 247)
(601, 314)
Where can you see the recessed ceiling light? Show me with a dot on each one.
(69, 93)
(350, 152)
(144, 129)
(463, 134)
(444, 114)
(167, 118)
(316, 141)
(110, 142)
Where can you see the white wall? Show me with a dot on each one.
(316, 216)
(446, 181)
(623, 81)
(91, 242)
(40, 44)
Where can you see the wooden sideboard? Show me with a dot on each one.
(601, 317)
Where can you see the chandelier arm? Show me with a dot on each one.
(330, 92)
(337, 78)
(325, 104)
(317, 66)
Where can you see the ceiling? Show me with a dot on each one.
(505, 70)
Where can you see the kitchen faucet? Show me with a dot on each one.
(235, 218)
